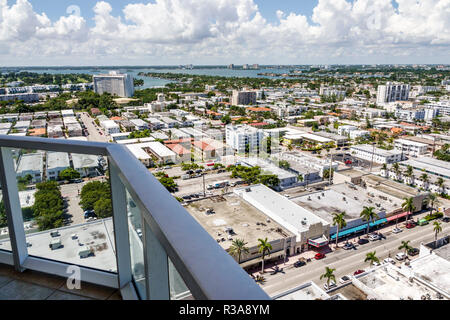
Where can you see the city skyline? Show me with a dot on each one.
(219, 32)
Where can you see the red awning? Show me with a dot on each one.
(397, 216)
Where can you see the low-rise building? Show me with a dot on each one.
(369, 153)
(31, 164)
(56, 162)
(309, 229)
(86, 165)
(410, 148)
(110, 127)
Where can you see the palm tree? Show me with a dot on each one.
(440, 183)
(397, 170)
(371, 257)
(410, 173)
(437, 228)
(339, 221)
(408, 206)
(432, 200)
(385, 169)
(237, 248)
(264, 247)
(425, 179)
(328, 275)
(368, 214)
(405, 245)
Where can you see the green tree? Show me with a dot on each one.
(432, 200)
(92, 192)
(264, 247)
(103, 208)
(368, 214)
(339, 221)
(437, 228)
(329, 275)
(169, 183)
(371, 258)
(48, 206)
(69, 174)
(238, 247)
(408, 206)
(405, 246)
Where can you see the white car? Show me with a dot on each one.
(328, 287)
(344, 279)
(400, 256)
(373, 237)
(397, 230)
(389, 260)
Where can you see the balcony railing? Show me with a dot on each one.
(172, 245)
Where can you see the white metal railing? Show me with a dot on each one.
(169, 231)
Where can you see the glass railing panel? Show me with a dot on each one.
(177, 286)
(135, 228)
(66, 207)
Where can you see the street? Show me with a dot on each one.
(347, 262)
(94, 133)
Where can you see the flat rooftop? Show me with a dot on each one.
(84, 160)
(279, 208)
(390, 187)
(389, 284)
(325, 203)
(57, 160)
(434, 268)
(98, 235)
(378, 151)
(308, 291)
(30, 162)
(232, 211)
(430, 165)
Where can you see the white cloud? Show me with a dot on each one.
(222, 31)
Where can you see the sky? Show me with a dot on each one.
(211, 32)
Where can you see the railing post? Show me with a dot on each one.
(156, 266)
(120, 221)
(12, 207)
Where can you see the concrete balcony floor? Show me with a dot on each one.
(33, 285)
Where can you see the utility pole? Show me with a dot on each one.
(331, 166)
(373, 155)
(204, 189)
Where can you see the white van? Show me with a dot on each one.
(400, 256)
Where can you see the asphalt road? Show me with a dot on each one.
(92, 128)
(347, 262)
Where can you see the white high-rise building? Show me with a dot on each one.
(243, 97)
(114, 83)
(238, 137)
(393, 92)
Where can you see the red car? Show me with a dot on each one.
(358, 272)
(410, 225)
(319, 256)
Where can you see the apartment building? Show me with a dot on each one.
(114, 83)
(392, 92)
(238, 137)
(243, 97)
(410, 148)
(369, 153)
(110, 127)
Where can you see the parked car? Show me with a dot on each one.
(446, 219)
(397, 230)
(348, 246)
(374, 236)
(358, 272)
(363, 241)
(413, 252)
(89, 214)
(299, 264)
(410, 225)
(187, 197)
(344, 279)
(329, 286)
(423, 222)
(400, 256)
(389, 260)
(319, 256)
